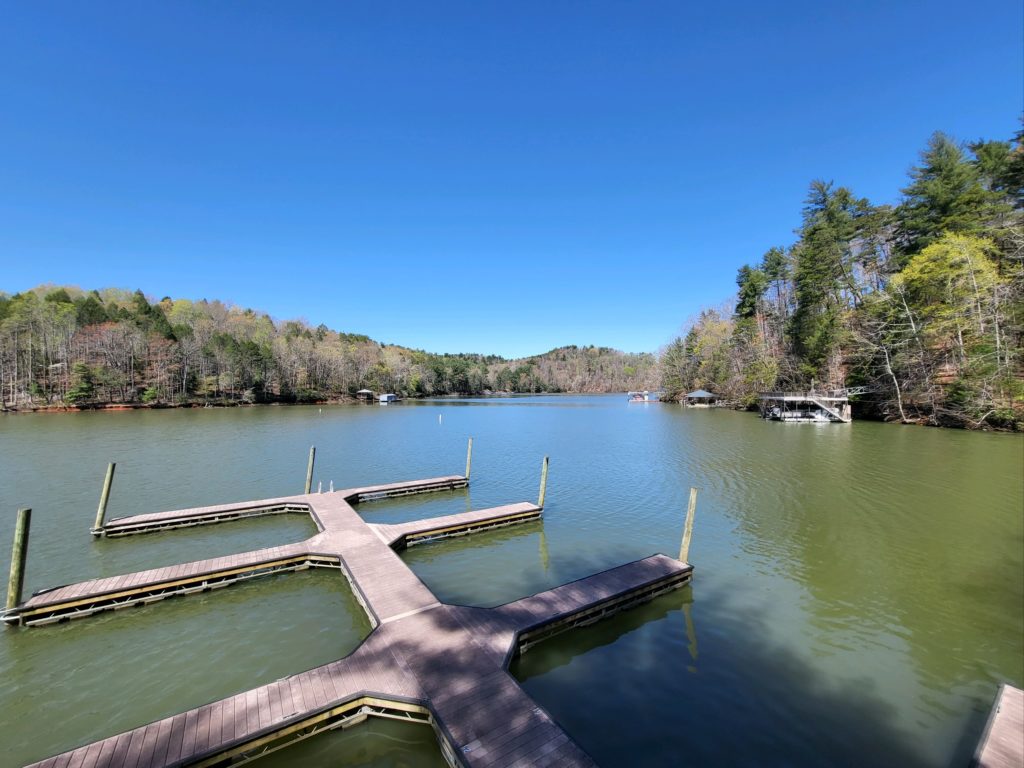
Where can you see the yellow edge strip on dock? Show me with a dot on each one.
(247, 746)
(167, 584)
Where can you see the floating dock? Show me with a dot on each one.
(424, 661)
(1002, 743)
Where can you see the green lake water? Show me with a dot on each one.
(858, 594)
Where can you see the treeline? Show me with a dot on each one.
(921, 303)
(65, 346)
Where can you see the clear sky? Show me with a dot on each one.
(467, 176)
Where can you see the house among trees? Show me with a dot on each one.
(701, 398)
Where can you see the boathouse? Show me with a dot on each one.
(701, 398)
(364, 394)
(832, 406)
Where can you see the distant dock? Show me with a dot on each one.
(424, 661)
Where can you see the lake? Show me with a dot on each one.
(858, 593)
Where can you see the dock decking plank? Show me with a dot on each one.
(227, 721)
(120, 750)
(134, 753)
(240, 718)
(106, 751)
(188, 740)
(163, 735)
(252, 712)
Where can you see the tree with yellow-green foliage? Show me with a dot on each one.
(921, 304)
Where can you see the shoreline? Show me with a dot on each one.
(351, 400)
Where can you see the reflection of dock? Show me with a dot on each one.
(424, 661)
(1002, 744)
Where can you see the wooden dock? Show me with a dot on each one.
(1002, 743)
(424, 661)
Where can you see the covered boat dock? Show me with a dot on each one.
(812, 406)
(701, 398)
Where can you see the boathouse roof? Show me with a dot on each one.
(702, 393)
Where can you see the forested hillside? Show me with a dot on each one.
(922, 303)
(65, 346)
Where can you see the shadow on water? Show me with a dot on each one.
(641, 688)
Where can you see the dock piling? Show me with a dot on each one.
(469, 457)
(17, 576)
(101, 511)
(684, 550)
(309, 468)
(543, 483)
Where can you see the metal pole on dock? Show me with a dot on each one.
(101, 512)
(17, 576)
(684, 550)
(469, 457)
(309, 468)
(543, 483)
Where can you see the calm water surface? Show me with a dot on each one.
(859, 589)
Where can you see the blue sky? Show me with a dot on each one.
(492, 177)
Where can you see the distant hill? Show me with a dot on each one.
(60, 345)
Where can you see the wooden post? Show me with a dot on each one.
(543, 483)
(469, 457)
(18, 558)
(309, 468)
(101, 512)
(684, 550)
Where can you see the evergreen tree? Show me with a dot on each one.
(83, 387)
(824, 280)
(945, 195)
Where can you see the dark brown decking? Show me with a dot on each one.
(424, 660)
(1002, 744)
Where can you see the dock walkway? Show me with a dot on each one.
(1002, 744)
(424, 661)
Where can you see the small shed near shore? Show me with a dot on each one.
(701, 398)
(364, 394)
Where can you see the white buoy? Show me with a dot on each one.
(320, 487)
(439, 418)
